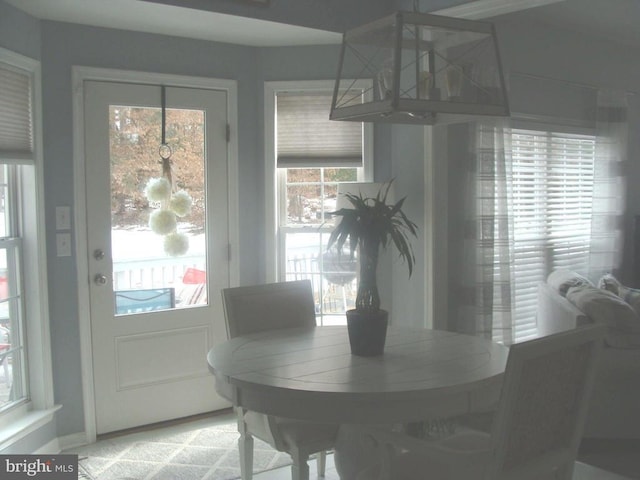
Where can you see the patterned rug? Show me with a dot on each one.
(194, 451)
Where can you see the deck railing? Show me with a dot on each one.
(162, 273)
(334, 284)
(153, 272)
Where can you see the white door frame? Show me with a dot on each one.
(79, 75)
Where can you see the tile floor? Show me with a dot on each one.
(200, 449)
(205, 449)
(581, 472)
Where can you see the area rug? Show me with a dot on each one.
(182, 452)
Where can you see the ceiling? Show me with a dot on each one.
(177, 21)
(615, 20)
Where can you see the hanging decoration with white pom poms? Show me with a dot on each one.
(173, 204)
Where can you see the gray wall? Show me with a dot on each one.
(19, 32)
(408, 293)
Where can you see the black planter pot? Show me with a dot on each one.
(367, 332)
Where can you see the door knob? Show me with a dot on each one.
(100, 279)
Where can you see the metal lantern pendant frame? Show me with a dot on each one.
(426, 69)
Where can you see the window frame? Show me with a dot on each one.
(38, 409)
(322, 232)
(275, 241)
(11, 245)
(547, 128)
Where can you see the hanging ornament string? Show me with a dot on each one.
(165, 150)
(173, 204)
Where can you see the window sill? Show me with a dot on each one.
(24, 425)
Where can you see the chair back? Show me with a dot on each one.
(544, 400)
(269, 306)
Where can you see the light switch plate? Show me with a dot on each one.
(63, 218)
(63, 244)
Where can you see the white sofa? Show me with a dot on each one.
(614, 410)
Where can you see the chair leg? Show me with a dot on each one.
(245, 448)
(299, 467)
(322, 463)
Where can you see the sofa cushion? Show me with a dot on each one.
(562, 279)
(604, 307)
(630, 295)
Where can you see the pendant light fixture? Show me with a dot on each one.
(426, 69)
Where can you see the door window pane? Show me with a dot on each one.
(145, 277)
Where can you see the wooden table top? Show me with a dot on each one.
(310, 374)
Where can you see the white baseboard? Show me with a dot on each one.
(24, 424)
(53, 447)
(73, 440)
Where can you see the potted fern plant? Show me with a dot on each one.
(369, 225)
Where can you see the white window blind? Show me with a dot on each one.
(552, 205)
(16, 118)
(307, 138)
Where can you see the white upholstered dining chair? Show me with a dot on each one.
(536, 429)
(266, 307)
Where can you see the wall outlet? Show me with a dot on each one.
(63, 244)
(63, 218)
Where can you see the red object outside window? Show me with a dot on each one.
(194, 276)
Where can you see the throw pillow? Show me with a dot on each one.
(610, 283)
(630, 295)
(604, 307)
(562, 279)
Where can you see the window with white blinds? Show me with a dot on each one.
(16, 114)
(552, 205)
(26, 383)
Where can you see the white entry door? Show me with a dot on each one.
(155, 314)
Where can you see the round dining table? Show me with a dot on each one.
(310, 374)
